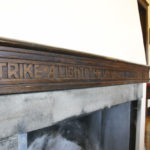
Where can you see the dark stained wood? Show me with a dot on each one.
(143, 18)
(148, 92)
(27, 67)
(143, 12)
(144, 3)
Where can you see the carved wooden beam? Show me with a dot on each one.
(27, 67)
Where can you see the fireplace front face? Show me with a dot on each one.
(103, 126)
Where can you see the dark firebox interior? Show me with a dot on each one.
(110, 128)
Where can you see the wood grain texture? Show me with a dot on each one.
(28, 67)
(144, 3)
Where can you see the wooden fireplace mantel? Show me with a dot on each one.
(28, 67)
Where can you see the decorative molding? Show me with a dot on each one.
(27, 67)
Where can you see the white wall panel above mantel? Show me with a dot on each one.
(103, 27)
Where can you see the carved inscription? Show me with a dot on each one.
(56, 71)
(28, 67)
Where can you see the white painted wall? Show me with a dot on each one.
(104, 27)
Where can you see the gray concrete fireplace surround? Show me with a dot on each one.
(22, 113)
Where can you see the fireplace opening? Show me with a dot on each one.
(110, 128)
